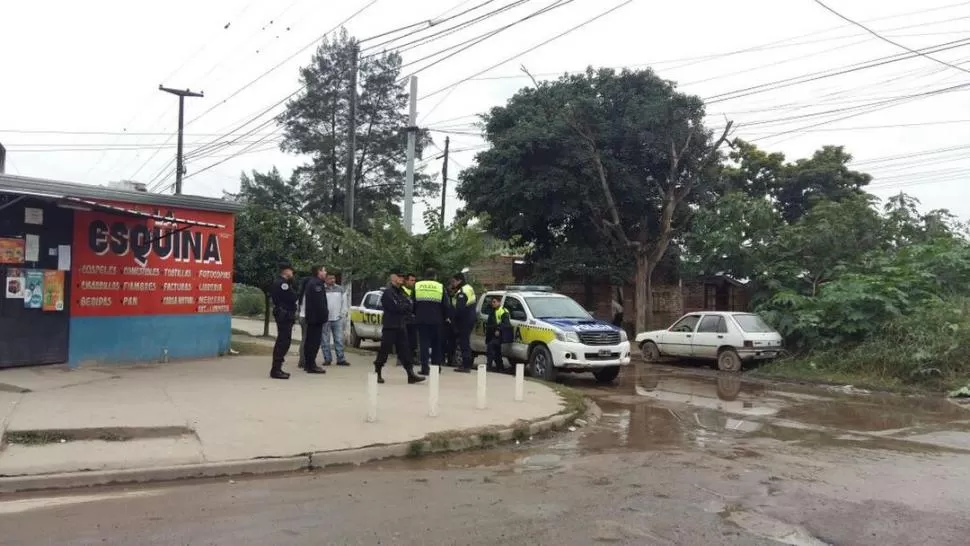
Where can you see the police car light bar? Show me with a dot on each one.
(528, 288)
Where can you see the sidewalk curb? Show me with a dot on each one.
(457, 441)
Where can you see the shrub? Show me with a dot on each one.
(931, 343)
(248, 303)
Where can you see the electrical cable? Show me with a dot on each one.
(432, 24)
(481, 38)
(425, 40)
(883, 38)
(530, 49)
(815, 76)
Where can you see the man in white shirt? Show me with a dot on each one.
(333, 330)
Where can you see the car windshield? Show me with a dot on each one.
(556, 307)
(753, 324)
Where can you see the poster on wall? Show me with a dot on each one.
(128, 266)
(11, 251)
(32, 248)
(15, 284)
(53, 291)
(34, 290)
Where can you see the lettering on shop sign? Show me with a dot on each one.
(122, 238)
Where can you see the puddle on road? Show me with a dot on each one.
(655, 408)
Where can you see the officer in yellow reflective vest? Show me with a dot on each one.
(498, 330)
(463, 319)
(431, 309)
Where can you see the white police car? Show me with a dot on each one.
(366, 319)
(554, 334)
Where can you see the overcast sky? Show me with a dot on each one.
(95, 66)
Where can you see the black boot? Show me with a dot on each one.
(377, 369)
(413, 377)
(276, 372)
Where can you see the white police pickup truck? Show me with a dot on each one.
(554, 334)
(366, 319)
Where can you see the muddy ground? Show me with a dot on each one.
(680, 456)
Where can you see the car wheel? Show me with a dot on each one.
(728, 361)
(650, 351)
(540, 364)
(606, 375)
(354, 338)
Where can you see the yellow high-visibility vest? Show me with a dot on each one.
(429, 291)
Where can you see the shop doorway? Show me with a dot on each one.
(35, 252)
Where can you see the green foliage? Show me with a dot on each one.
(248, 301)
(264, 238)
(927, 346)
(862, 285)
(388, 245)
(603, 162)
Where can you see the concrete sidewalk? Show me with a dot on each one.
(57, 420)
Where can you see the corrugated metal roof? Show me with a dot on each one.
(40, 186)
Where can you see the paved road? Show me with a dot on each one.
(676, 459)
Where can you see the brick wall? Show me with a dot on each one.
(494, 272)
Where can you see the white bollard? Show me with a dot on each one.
(519, 382)
(482, 371)
(433, 391)
(371, 397)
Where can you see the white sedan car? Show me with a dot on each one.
(730, 339)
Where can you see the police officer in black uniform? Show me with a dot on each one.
(394, 333)
(284, 297)
(317, 314)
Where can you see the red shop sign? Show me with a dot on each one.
(127, 265)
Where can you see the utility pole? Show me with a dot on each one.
(444, 182)
(351, 138)
(179, 159)
(412, 141)
(349, 205)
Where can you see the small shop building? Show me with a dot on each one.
(101, 275)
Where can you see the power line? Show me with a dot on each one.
(286, 60)
(264, 74)
(806, 78)
(430, 24)
(482, 37)
(530, 49)
(887, 40)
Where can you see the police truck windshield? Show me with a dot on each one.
(555, 308)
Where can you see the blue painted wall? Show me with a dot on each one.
(126, 340)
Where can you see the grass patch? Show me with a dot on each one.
(416, 449)
(246, 348)
(238, 332)
(104, 434)
(520, 433)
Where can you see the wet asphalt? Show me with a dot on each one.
(681, 455)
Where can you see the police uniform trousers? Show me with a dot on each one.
(397, 339)
(284, 336)
(429, 340)
(311, 345)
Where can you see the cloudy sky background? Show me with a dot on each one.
(74, 69)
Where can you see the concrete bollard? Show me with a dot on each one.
(519, 382)
(433, 391)
(372, 397)
(482, 374)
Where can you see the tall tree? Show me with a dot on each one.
(601, 158)
(263, 238)
(316, 124)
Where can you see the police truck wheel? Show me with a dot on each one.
(540, 364)
(354, 338)
(606, 375)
